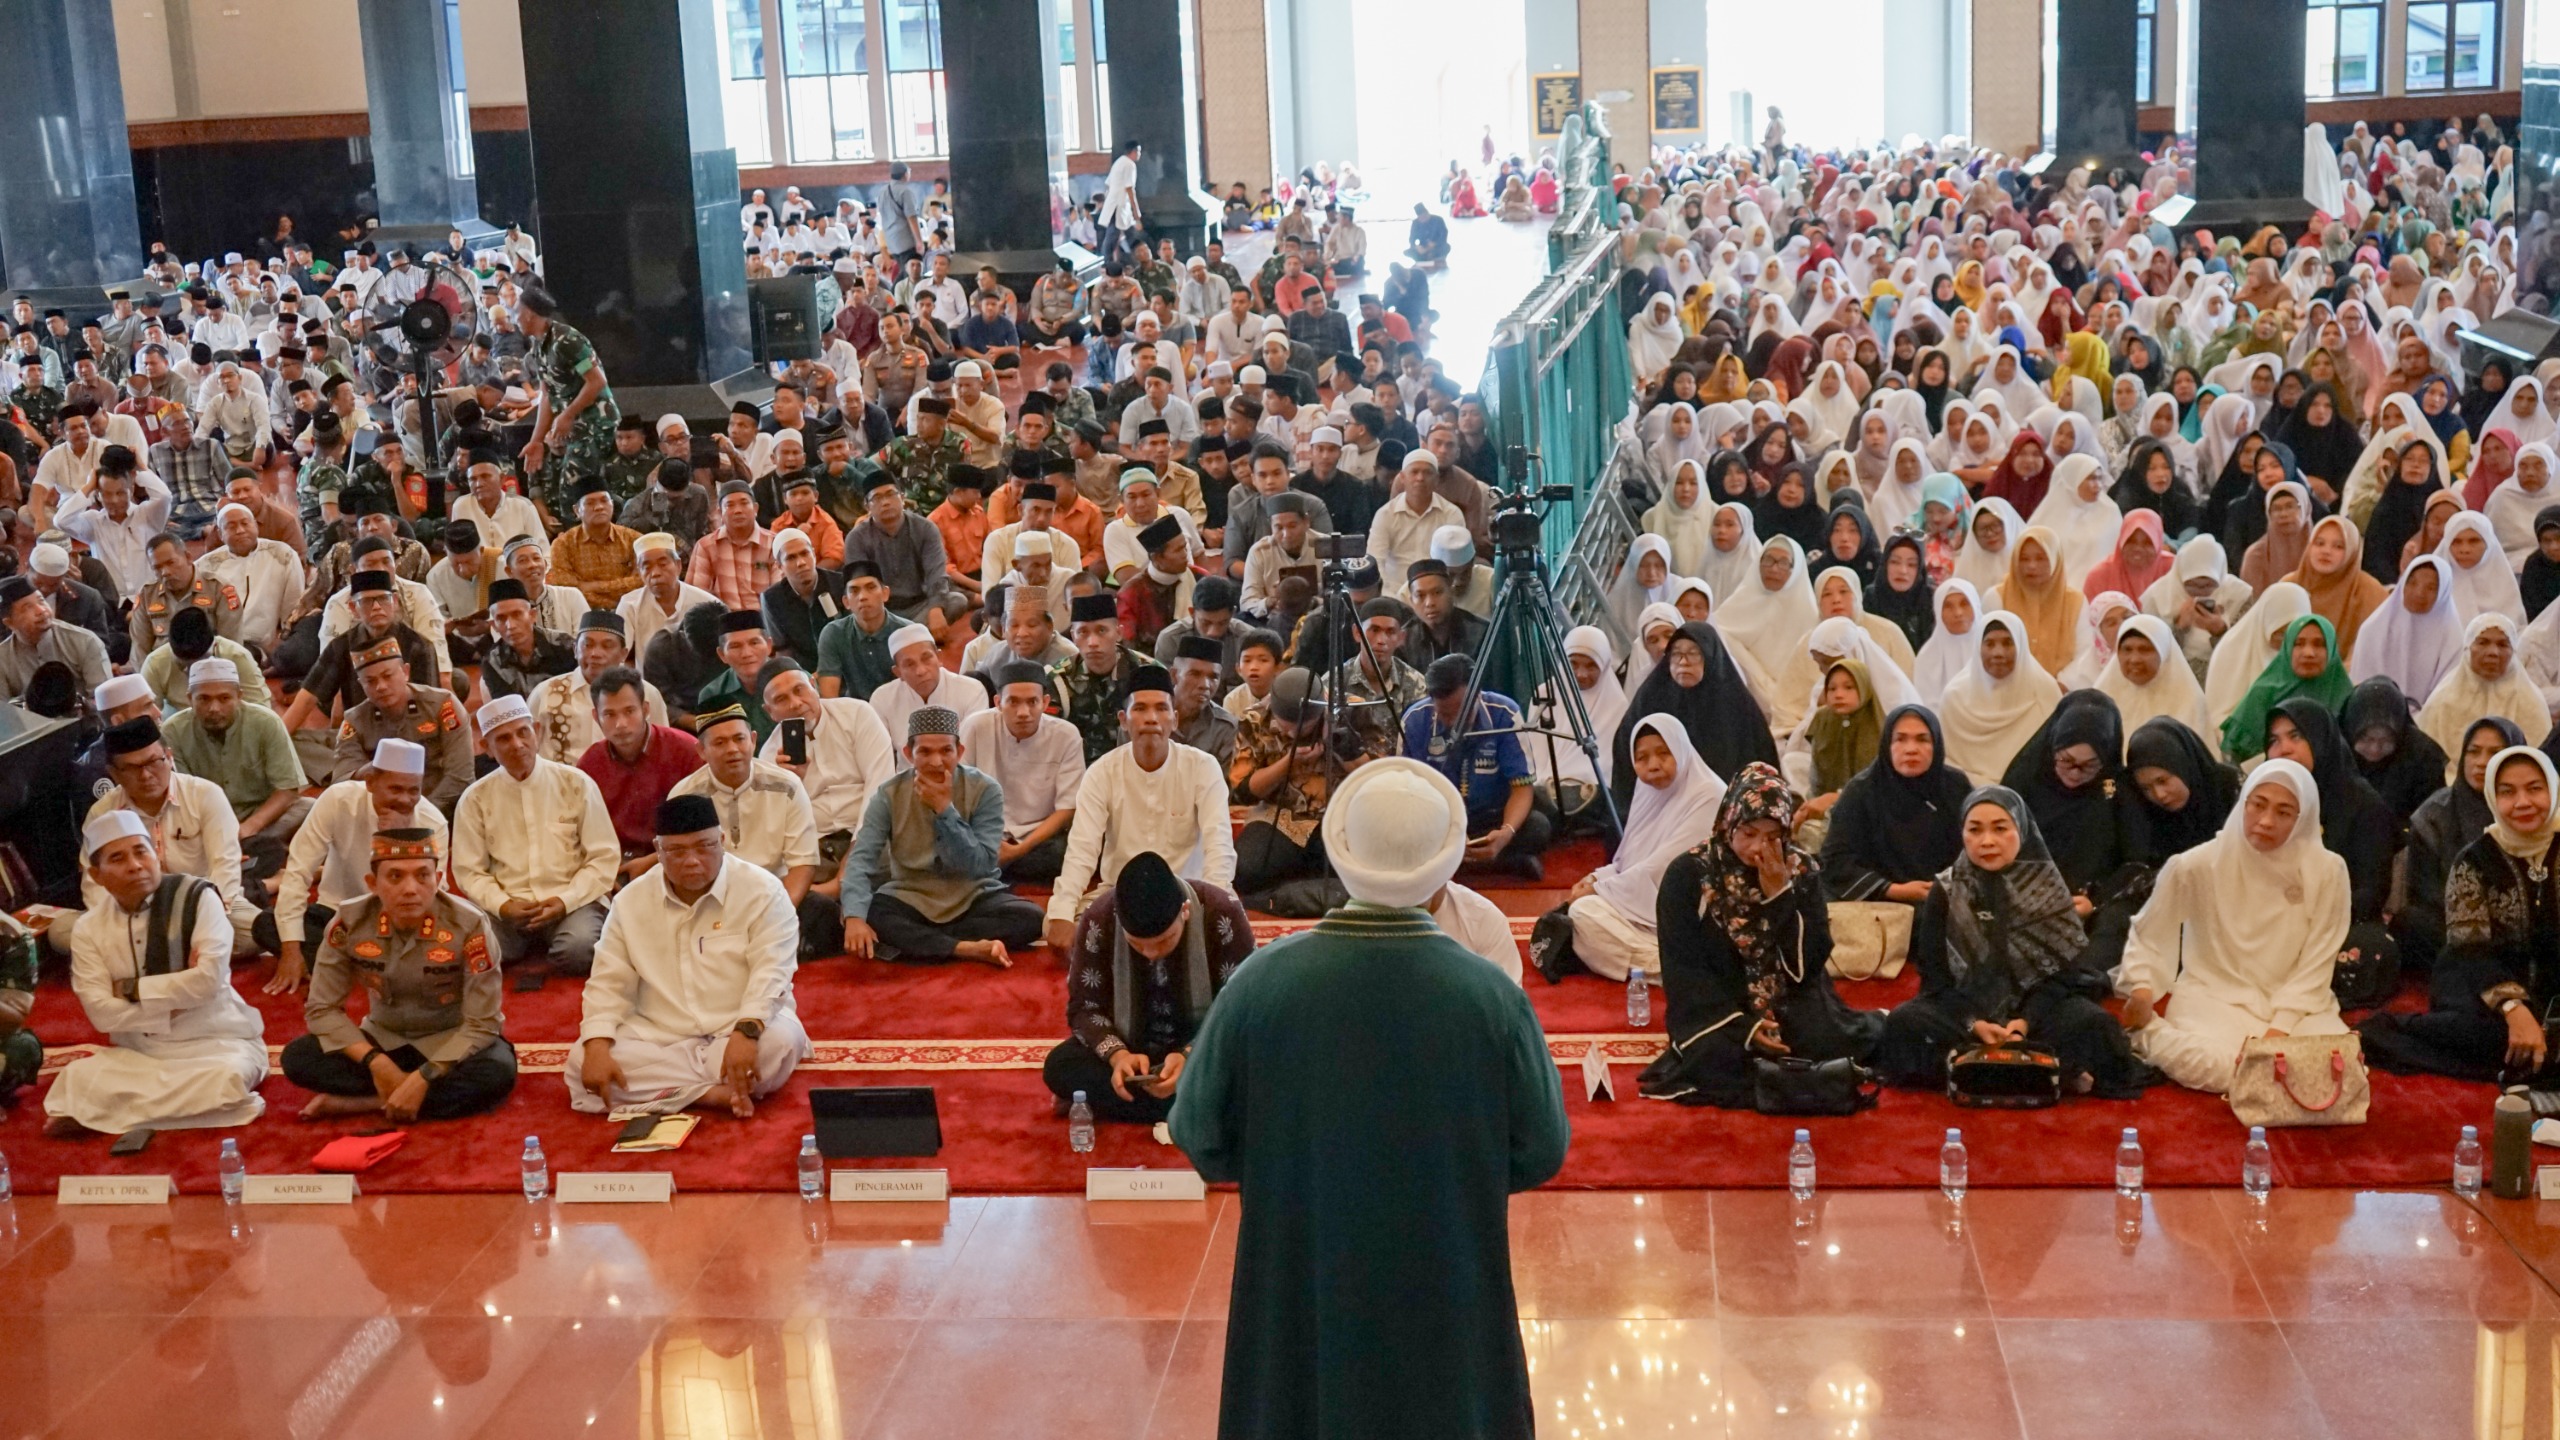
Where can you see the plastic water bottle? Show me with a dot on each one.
(2257, 1163)
(2129, 1163)
(2467, 1165)
(1080, 1126)
(235, 1172)
(537, 1171)
(1639, 1000)
(1800, 1166)
(1954, 1166)
(5, 1191)
(813, 1168)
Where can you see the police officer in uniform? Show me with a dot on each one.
(396, 707)
(431, 1045)
(179, 583)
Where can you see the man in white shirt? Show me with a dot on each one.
(533, 846)
(662, 597)
(765, 820)
(1159, 403)
(1400, 533)
(265, 574)
(500, 516)
(192, 825)
(151, 966)
(1038, 759)
(1119, 216)
(219, 328)
(66, 469)
(117, 520)
(1148, 794)
(922, 680)
(690, 1000)
(1291, 546)
(1235, 333)
(849, 752)
(564, 706)
(1141, 505)
(334, 852)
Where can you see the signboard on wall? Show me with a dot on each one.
(1553, 98)
(1675, 98)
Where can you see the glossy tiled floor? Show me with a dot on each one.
(2033, 1313)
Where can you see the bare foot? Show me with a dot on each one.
(721, 1097)
(984, 952)
(326, 1107)
(63, 1127)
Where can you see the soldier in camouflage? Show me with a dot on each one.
(574, 420)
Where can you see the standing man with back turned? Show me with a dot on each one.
(1378, 1093)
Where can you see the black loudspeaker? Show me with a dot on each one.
(855, 1121)
(783, 315)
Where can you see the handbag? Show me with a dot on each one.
(2020, 1076)
(2301, 1080)
(1790, 1085)
(2368, 968)
(1870, 939)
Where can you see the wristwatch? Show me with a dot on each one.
(752, 1029)
(2508, 1004)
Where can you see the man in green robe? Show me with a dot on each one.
(1377, 1091)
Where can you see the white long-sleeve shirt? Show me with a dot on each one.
(765, 822)
(123, 546)
(268, 581)
(196, 834)
(643, 619)
(194, 1003)
(1178, 810)
(547, 836)
(666, 971)
(896, 700)
(850, 756)
(335, 848)
(1039, 776)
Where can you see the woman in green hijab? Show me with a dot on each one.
(2307, 663)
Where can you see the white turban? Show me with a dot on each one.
(1395, 832)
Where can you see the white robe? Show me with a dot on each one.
(1479, 924)
(188, 1053)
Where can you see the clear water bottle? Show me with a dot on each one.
(1639, 1000)
(1800, 1166)
(1955, 1167)
(813, 1168)
(5, 1191)
(235, 1172)
(2258, 1163)
(2468, 1164)
(2129, 1163)
(537, 1171)
(1080, 1126)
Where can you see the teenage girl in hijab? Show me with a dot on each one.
(1697, 685)
(2414, 637)
(2240, 935)
(2402, 763)
(1998, 946)
(1956, 612)
(2445, 822)
(1683, 518)
(2305, 664)
(1733, 550)
(1645, 579)
(1901, 593)
(2180, 791)
(2338, 586)
(1898, 823)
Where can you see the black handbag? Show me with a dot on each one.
(2368, 968)
(2005, 1077)
(1786, 1085)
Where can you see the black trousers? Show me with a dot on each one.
(821, 926)
(1073, 1066)
(2466, 1041)
(477, 1084)
(1265, 857)
(315, 928)
(1040, 864)
(1920, 1033)
(1536, 833)
(910, 938)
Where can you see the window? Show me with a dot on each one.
(1101, 81)
(1067, 77)
(827, 79)
(2452, 46)
(465, 160)
(742, 85)
(2146, 49)
(916, 105)
(2342, 50)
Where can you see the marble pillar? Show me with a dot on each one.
(67, 218)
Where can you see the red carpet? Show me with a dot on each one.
(999, 1134)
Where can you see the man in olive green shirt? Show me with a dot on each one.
(247, 751)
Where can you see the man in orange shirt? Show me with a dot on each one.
(964, 524)
(801, 512)
(1077, 515)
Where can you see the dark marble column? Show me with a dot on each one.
(1008, 154)
(2092, 85)
(424, 176)
(1155, 100)
(638, 188)
(66, 170)
(2248, 114)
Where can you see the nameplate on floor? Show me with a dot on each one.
(616, 1187)
(115, 1190)
(298, 1190)
(1140, 1184)
(860, 1185)
(2546, 1182)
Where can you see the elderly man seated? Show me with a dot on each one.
(689, 1004)
(189, 819)
(533, 846)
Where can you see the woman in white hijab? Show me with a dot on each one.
(2518, 498)
(1604, 700)
(1837, 595)
(1733, 550)
(1644, 580)
(2200, 577)
(1674, 812)
(2415, 636)
(1682, 441)
(2225, 426)
(2081, 516)
(1828, 407)
(2148, 678)
(2068, 432)
(2102, 619)
(1896, 502)
(2160, 422)
(2007, 378)
(1653, 631)
(2248, 645)
(1991, 529)
(1949, 647)
(1998, 702)
(2487, 680)
(2482, 581)
(1771, 615)
(2531, 421)
(1653, 337)
(1684, 519)
(2240, 935)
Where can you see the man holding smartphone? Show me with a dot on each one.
(1148, 956)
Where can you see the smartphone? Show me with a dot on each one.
(132, 1142)
(795, 741)
(638, 1130)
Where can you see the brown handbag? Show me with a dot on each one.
(2299, 1080)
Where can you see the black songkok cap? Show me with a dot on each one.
(687, 815)
(1147, 895)
(139, 733)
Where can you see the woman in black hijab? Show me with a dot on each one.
(2324, 442)
(2412, 477)
(2447, 821)
(2149, 481)
(1900, 821)
(1847, 529)
(1789, 509)
(1902, 593)
(1697, 684)
(2291, 386)
(2236, 512)
(2487, 389)
(2069, 775)
(2539, 579)
(2354, 823)
(2402, 763)
(1771, 454)
(2181, 794)
(1932, 382)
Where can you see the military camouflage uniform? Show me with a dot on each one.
(21, 1053)
(561, 360)
(625, 476)
(1091, 702)
(922, 471)
(41, 405)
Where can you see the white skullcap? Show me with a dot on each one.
(122, 690)
(49, 559)
(400, 757)
(1218, 370)
(1032, 542)
(505, 710)
(230, 257)
(1251, 375)
(670, 421)
(1395, 832)
(1325, 435)
(782, 541)
(906, 635)
(107, 829)
(789, 433)
(655, 540)
(1425, 459)
(212, 670)
(968, 370)
(234, 507)
(1451, 544)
